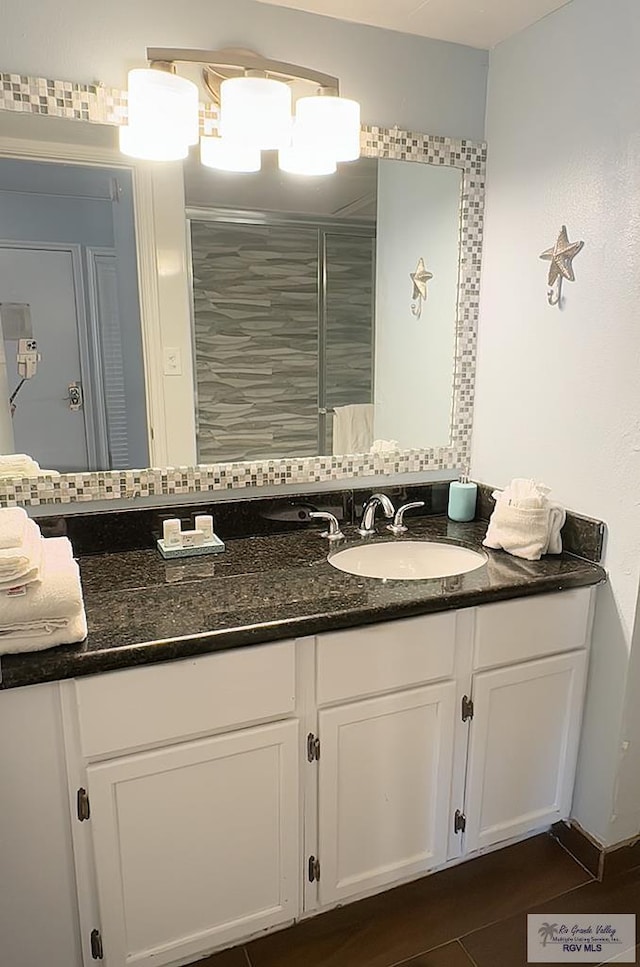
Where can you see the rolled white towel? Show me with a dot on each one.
(21, 565)
(557, 518)
(73, 630)
(13, 523)
(524, 521)
(57, 595)
(522, 531)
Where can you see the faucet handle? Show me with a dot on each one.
(334, 533)
(398, 527)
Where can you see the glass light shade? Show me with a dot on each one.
(225, 156)
(255, 112)
(330, 124)
(301, 161)
(163, 106)
(138, 144)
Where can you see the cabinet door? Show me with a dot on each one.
(523, 747)
(385, 775)
(196, 845)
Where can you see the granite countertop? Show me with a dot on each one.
(142, 609)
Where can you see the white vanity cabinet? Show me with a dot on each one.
(195, 845)
(193, 803)
(523, 747)
(384, 778)
(211, 799)
(385, 762)
(530, 666)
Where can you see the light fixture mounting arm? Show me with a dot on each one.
(236, 59)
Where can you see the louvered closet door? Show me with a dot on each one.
(196, 845)
(385, 776)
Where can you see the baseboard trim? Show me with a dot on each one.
(601, 861)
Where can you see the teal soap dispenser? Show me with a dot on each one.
(463, 495)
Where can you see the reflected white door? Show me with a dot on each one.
(385, 778)
(43, 424)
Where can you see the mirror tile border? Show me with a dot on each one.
(101, 105)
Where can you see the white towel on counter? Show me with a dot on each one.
(525, 522)
(21, 565)
(353, 428)
(43, 605)
(73, 631)
(13, 523)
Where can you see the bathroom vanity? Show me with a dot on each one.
(279, 766)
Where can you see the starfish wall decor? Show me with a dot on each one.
(561, 257)
(420, 278)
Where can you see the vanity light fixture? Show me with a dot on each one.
(162, 116)
(255, 98)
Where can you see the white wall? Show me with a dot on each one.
(413, 82)
(38, 908)
(558, 395)
(418, 217)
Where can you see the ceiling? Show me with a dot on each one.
(476, 23)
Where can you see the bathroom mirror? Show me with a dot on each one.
(307, 337)
(354, 295)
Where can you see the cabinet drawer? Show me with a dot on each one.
(513, 631)
(384, 657)
(160, 703)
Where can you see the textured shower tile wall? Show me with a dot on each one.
(256, 336)
(349, 313)
(256, 340)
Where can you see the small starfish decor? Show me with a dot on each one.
(561, 257)
(420, 278)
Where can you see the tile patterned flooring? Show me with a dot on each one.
(472, 915)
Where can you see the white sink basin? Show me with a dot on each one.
(407, 560)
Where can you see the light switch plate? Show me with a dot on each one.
(172, 361)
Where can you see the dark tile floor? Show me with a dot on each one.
(473, 915)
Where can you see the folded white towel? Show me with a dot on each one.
(13, 522)
(57, 595)
(73, 630)
(21, 465)
(21, 565)
(18, 465)
(353, 428)
(524, 522)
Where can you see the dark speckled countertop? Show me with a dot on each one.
(142, 609)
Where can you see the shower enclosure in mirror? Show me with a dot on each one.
(305, 336)
(283, 333)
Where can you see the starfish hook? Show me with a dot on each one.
(554, 294)
(561, 257)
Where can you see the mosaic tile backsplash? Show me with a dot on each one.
(100, 105)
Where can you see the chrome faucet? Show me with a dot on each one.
(399, 527)
(333, 533)
(368, 522)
